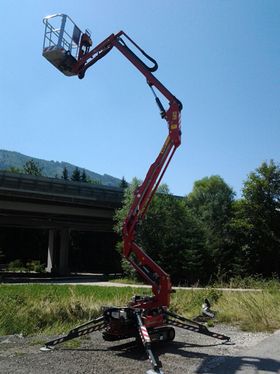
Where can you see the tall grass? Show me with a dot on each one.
(253, 311)
(253, 282)
(189, 302)
(53, 309)
(31, 309)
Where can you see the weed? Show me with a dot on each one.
(72, 344)
(19, 354)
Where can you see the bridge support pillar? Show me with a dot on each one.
(50, 263)
(64, 251)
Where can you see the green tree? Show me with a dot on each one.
(94, 181)
(76, 175)
(121, 213)
(174, 239)
(238, 237)
(32, 168)
(13, 169)
(65, 174)
(211, 202)
(169, 234)
(260, 212)
(84, 177)
(123, 183)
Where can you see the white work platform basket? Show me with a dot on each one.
(61, 42)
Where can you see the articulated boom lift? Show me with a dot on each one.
(70, 51)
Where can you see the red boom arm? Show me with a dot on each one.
(144, 265)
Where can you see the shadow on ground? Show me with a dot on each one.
(210, 364)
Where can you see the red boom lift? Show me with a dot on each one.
(70, 50)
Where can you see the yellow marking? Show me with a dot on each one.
(173, 127)
(165, 145)
(174, 116)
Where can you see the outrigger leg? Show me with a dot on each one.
(146, 340)
(188, 324)
(84, 329)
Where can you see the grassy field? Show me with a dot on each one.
(53, 309)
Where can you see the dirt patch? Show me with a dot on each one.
(189, 353)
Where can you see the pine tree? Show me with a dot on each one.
(65, 174)
(76, 175)
(123, 183)
(84, 177)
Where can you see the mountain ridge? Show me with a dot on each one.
(51, 168)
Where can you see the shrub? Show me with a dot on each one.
(36, 266)
(16, 265)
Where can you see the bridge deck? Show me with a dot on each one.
(30, 201)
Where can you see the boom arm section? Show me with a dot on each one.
(144, 265)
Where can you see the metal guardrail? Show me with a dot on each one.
(63, 33)
(59, 187)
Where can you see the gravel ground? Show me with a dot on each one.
(189, 353)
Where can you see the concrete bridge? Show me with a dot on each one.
(58, 206)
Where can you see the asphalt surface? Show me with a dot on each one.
(262, 358)
(90, 280)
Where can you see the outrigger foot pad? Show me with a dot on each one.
(47, 348)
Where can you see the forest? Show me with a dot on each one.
(211, 235)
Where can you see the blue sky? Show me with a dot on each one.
(221, 58)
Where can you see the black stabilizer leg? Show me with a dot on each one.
(146, 340)
(187, 324)
(84, 329)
